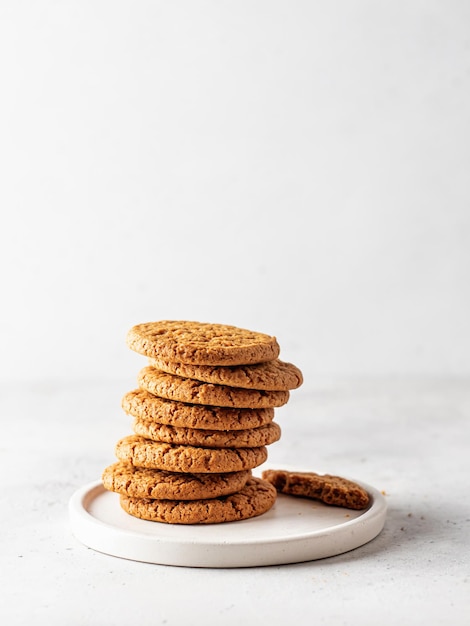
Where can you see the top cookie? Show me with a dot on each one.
(272, 375)
(197, 343)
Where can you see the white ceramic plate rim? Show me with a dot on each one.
(220, 551)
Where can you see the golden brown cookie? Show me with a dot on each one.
(270, 376)
(325, 487)
(251, 438)
(202, 343)
(256, 498)
(194, 392)
(142, 404)
(142, 452)
(125, 479)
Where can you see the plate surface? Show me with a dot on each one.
(294, 530)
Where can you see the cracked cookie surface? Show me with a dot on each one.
(142, 404)
(202, 343)
(256, 498)
(125, 479)
(191, 391)
(273, 375)
(142, 452)
(253, 437)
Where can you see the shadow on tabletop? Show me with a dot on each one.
(401, 529)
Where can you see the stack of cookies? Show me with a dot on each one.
(202, 420)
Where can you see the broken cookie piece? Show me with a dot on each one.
(329, 489)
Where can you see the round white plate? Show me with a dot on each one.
(294, 530)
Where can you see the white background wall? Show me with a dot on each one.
(295, 167)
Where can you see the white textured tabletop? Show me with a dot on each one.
(408, 439)
(295, 168)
